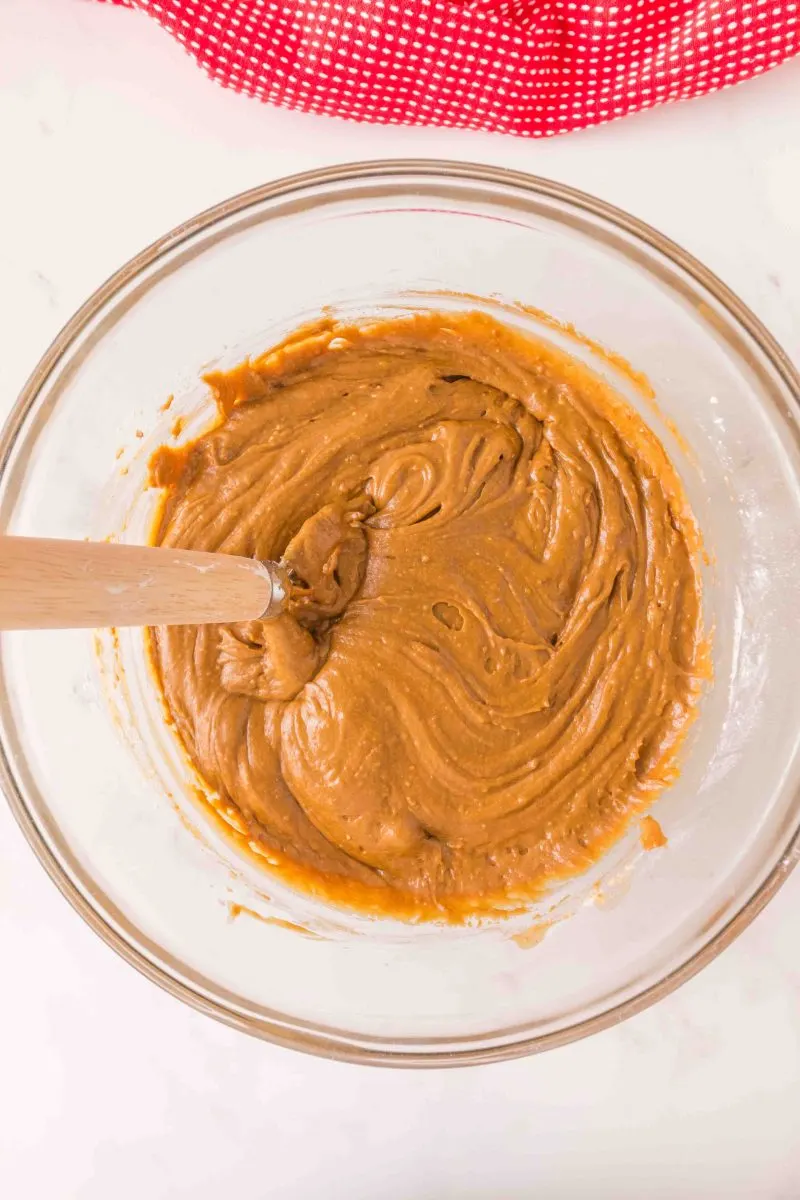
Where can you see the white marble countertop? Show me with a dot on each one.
(109, 136)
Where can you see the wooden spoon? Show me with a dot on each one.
(52, 584)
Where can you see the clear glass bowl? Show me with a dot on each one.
(93, 774)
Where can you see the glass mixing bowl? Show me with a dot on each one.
(92, 772)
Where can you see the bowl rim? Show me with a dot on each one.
(311, 1040)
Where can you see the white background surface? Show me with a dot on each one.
(109, 135)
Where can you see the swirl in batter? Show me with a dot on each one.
(494, 646)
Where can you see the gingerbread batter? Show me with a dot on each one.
(494, 647)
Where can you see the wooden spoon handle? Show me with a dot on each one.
(52, 584)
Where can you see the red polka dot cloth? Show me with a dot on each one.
(528, 67)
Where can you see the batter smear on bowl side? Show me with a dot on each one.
(494, 646)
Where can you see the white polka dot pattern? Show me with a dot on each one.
(528, 67)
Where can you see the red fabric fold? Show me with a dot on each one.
(527, 67)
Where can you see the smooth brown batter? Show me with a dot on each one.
(494, 648)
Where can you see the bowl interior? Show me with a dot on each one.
(104, 790)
